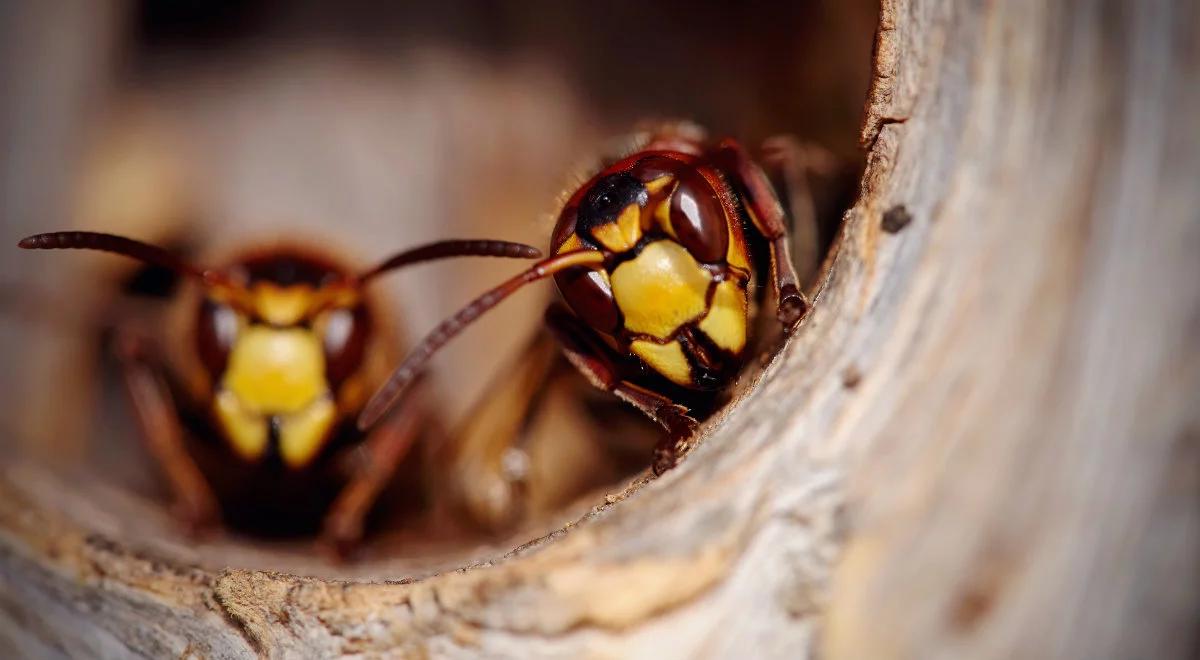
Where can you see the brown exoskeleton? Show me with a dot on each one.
(655, 257)
(251, 408)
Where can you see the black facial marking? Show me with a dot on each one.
(285, 268)
(606, 199)
(710, 364)
(274, 428)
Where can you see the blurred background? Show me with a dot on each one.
(364, 126)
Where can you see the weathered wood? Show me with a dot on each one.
(982, 443)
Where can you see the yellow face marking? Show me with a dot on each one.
(271, 372)
(303, 433)
(662, 216)
(658, 184)
(662, 212)
(338, 295)
(572, 243)
(274, 370)
(622, 234)
(231, 294)
(736, 254)
(246, 430)
(282, 305)
(661, 289)
(666, 359)
(725, 323)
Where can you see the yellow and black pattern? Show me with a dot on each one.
(274, 381)
(684, 318)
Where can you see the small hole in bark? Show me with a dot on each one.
(970, 608)
(896, 218)
(851, 377)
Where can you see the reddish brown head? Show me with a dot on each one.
(281, 334)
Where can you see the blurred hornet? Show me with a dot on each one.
(280, 348)
(656, 257)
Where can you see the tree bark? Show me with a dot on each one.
(983, 442)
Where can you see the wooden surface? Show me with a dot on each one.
(984, 441)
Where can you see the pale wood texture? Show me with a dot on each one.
(983, 442)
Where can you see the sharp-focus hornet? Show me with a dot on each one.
(656, 257)
(250, 413)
